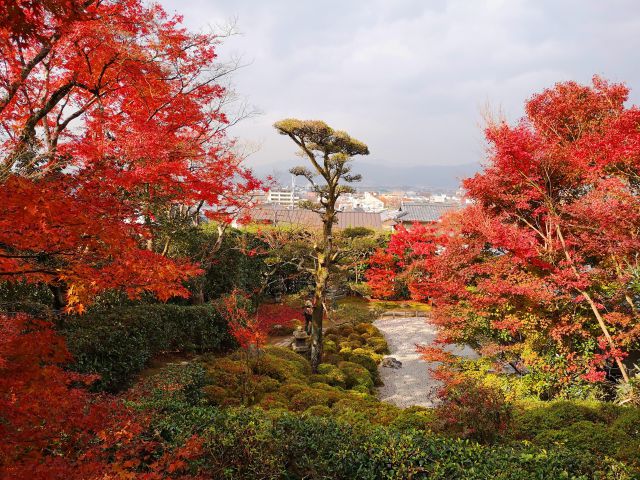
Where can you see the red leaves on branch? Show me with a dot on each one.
(48, 419)
(234, 307)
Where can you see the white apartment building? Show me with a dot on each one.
(287, 198)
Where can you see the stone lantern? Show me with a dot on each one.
(300, 344)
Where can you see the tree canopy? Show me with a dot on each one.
(110, 112)
(542, 268)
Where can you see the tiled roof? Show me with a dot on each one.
(424, 212)
(302, 217)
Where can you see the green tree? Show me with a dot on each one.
(330, 153)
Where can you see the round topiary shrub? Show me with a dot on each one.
(262, 384)
(357, 377)
(345, 330)
(301, 363)
(333, 358)
(215, 394)
(308, 398)
(367, 328)
(291, 389)
(354, 337)
(273, 400)
(414, 418)
(318, 411)
(378, 344)
(330, 347)
(279, 368)
(368, 363)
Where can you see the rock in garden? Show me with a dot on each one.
(391, 362)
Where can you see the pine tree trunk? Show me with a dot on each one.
(324, 254)
(322, 274)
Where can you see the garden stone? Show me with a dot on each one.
(391, 362)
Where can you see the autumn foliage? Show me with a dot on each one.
(110, 114)
(250, 328)
(271, 314)
(48, 419)
(53, 428)
(542, 268)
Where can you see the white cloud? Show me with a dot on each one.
(407, 76)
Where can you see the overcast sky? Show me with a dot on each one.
(411, 77)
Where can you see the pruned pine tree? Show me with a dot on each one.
(330, 153)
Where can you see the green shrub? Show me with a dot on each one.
(301, 363)
(318, 410)
(334, 375)
(368, 363)
(367, 328)
(280, 368)
(357, 377)
(416, 418)
(585, 435)
(118, 343)
(379, 345)
(274, 400)
(250, 444)
(629, 422)
(310, 397)
(290, 390)
(536, 417)
(598, 427)
(329, 347)
(337, 434)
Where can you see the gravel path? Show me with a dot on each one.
(412, 384)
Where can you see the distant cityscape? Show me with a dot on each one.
(375, 209)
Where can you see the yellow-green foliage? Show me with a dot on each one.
(279, 378)
(357, 378)
(334, 375)
(291, 389)
(280, 368)
(273, 401)
(418, 418)
(599, 427)
(286, 354)
(318, 411)
(361, 339)
(314, 396)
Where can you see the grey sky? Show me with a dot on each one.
(410, 77)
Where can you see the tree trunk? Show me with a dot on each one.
(605, 331)
(59, 291)
(197, 296)
(322, 274)
(324, 253)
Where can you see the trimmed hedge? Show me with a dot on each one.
(250, 444)
(118, 343)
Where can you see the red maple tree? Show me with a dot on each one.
(110, 112)
(542, 267)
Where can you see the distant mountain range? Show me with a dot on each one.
(386, 176)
